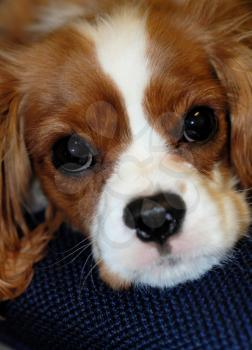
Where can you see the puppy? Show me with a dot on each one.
(135, 119)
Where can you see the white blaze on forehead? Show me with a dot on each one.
(121, 46)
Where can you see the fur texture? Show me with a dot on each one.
(122, 76)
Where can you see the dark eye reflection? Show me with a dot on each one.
(200, 124)
(73, 155)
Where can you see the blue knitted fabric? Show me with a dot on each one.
(67, 307)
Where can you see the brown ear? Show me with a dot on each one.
(234, 69)
(20, 247)
(241, 119)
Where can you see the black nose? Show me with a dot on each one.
(155, 218)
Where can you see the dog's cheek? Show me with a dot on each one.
(233, 209)
(243, 211)
(76, 197)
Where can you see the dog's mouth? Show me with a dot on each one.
(159, 268)
(166, 272)
(168, 261)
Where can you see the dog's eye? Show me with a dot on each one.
(73, 155)
(200, 124)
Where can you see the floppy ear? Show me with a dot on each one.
(20, 247)
(234, 69)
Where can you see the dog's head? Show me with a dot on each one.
(137, 125)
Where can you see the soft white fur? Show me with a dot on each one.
(147, 167)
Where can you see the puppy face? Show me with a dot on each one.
(127, 125)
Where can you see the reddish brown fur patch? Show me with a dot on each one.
(181, 79)
(20, 247)
(14, 16)
(237, 77)
(73, 96)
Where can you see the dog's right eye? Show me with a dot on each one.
(73, 155)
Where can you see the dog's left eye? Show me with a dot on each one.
(200, 124)
(73, 155)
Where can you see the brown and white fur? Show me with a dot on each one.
(122, 75)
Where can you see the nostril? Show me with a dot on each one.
(155, 218)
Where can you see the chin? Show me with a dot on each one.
(133, 120)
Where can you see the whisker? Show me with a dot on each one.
(75, 246)
(98, 262)
(90, 273)
(80, 250)
(83, 271)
